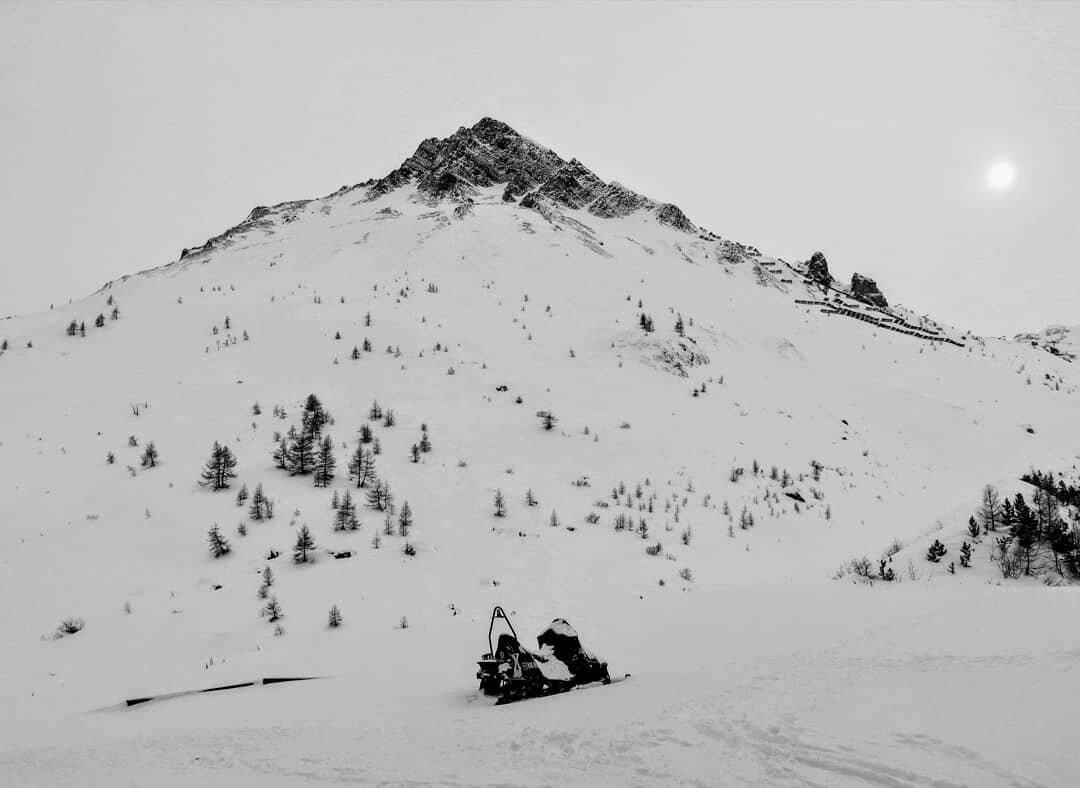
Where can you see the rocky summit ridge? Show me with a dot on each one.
(491, 153)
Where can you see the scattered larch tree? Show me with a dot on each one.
(301, 452)
(989, 513)
(379, 496)
(305, 545)
(260, 505)
(273, 610)
(220, 469)
(150, 455)
(325, 464)
(281, 453)
(219, 545)
(362, 467)
(345, 515)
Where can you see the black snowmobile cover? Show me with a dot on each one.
(564, 642)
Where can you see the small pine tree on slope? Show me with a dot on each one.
(302, 453)
(220, 469)
(305, 545)
(325, 464)
(219, 545)
(150, 455)
(345, 515)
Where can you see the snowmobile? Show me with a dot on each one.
(512, 672)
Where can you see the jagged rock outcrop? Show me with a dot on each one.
(260, 218)
(487, 154)
(574, 185)
(817, 268)
(866, 290)
(491, 153)
(731, 252)
(1058, 340)
(532, 200)
(677, 357)
(617, 200)
(516, 187)
(673, 216)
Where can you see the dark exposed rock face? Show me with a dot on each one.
(817, 268)
(531, 200)
(1061, 341)
(731, 252)
(617, 200)
(574, 185)
(671, 215)
(517, 186)
(491, 153)
(866, 290)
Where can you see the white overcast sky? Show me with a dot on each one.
(864, 130)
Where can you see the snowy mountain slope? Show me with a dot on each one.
(544, 301)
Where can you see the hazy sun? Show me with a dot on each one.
(1001, 176)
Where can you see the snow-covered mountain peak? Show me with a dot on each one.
(491, 153)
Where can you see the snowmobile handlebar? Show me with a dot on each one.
(498, 612)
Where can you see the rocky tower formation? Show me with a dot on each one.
(866, 290)
(493, 154)
(817, 268)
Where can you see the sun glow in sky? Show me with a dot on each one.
(1001, 176)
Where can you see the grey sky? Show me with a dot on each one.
(864, 130)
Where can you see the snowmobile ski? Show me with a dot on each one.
(505, 699)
